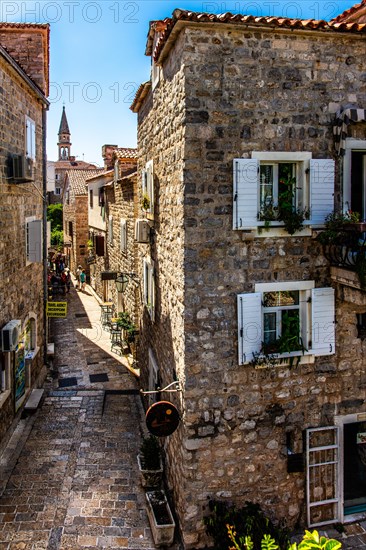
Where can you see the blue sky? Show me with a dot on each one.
(98, 61)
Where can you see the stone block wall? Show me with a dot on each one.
(254, 91)
(121, 204)
(29, 47)
(21, 284)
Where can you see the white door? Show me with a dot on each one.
(323, 476)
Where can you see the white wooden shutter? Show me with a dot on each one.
(123, 235)
(246, 189)
(323, 321)
(321, 189)
(34, 241)
(30, 139)
(153, 376)
(249, 326)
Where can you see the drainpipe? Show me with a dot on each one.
(45, 249)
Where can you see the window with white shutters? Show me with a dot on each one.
(261, 183)
(286, 319)
(148, 188)
(30, 143)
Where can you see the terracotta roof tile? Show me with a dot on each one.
(140, 96)
(355, 14)
(165, 26)
(125, 153)
(77, 179)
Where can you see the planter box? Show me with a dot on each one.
(150, 478)
(160, 517)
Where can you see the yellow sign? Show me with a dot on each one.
(56, 309)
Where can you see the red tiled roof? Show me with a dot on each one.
(165, 26)
(77, 179)
(355, 14)
(140, 96)
(125, 153)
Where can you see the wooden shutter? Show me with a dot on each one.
(34, 241)
(99, 245)
(323, 321)
(249, 326)
(246, 189)
(321, 189)
(110, 229)
(123, 235)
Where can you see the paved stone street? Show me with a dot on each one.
(69, 474)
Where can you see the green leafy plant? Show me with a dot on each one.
(310, 541)
(150, 453)
(145, 202)
(249, 524)
(293, 218)
(289, 341)
(125, 322)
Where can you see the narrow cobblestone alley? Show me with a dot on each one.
(69, 474)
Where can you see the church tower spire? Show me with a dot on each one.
(64, 143)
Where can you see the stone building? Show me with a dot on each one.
(24, 81)
(245, 115)
(66, 161)
(75, 217)
(112, 213)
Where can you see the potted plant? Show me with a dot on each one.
(293, 218)
(150, 463)
(125, 323)
(145, 202)
(160, 517)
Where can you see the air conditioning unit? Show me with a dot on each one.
(142, 231)
(10, 335)
(22, 168)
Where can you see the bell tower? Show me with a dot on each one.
(64, 143)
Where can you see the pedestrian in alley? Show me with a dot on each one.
(67, 279)
(82, 280)
(78, 273)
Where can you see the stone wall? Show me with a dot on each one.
(28, 45)
(21, 285)
(121, 204)
(227, 92)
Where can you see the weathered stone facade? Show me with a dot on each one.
(21, 280)
(75, 217)
(225, 91)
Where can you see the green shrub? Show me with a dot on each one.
(248, 523)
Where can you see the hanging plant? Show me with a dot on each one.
(145, 202)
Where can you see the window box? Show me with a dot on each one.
(160, 517)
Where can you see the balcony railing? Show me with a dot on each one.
(346, 248)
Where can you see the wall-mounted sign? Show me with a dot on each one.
(109, 275)
(162, 418)
(90, 260)
(361, 438)
(56, 309)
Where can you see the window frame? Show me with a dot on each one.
(110, 230)
(316, 177)
(147, 185)
(149, 287)
(123, 235)
(30, 138)
(33, 240)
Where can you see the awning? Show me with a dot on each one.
(343, 119)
